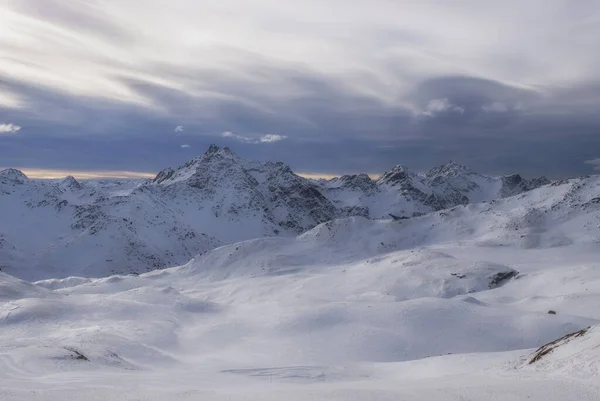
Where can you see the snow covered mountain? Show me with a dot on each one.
(235, 199)
(405, 193)
(97, 228)
(476, 301)
(58, 228)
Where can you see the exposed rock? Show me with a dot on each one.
(551, 346)
(77, 355)
(500, 278)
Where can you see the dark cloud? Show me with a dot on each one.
(469, 92)
(330, 127)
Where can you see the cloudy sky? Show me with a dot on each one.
(327, 86)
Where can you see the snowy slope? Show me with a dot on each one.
(97, 228)
(447, 306)
(576, 353)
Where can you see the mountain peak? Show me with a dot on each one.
(215, 153)
(398, 173)
(12, 174)
(356, 179)
(214, 161)
(360, 181)
(449, 168)
(399, 167)
(70, 182)
(214, 149)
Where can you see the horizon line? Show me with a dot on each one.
(51, 174)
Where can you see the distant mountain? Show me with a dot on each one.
(61, 228)
(405, 193)
(96, 228)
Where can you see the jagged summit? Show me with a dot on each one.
(215, 149)
(267, 198)
(397, 175)
(218, 165)
(218, 158)
(70, 182)
(450, 169)
(360, 182)
(13, 175)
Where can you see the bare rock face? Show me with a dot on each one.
(546, 349)
(515, 184)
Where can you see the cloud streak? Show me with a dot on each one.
(595, 163)
(114, 40)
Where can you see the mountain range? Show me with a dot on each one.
(496, 298)
(291, 288)
(57, 228)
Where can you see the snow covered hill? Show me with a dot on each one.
(446, 306)
(97, 228)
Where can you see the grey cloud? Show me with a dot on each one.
(497, 107)
(297, 101)
(471, 93)
(330, 126)
(595, 163)
(437, 106)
